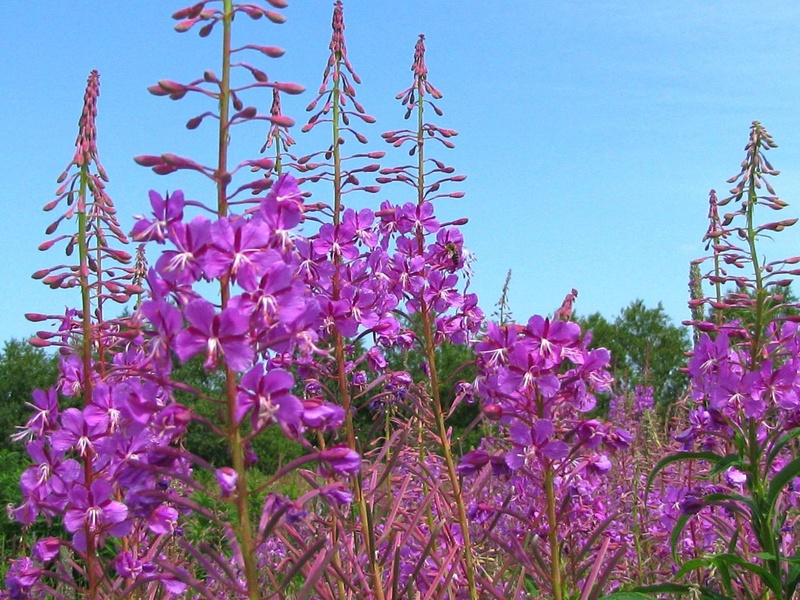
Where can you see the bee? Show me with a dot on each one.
(453, 254)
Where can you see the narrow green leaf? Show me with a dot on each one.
(781, 444)
(627, 596)
(691, 565)
(679, 457)
(732, 559)
(665, 588)
(680, 524)
(780, 481)
(530, 585)
(710, 594)
(734, 540)
(725, 575)
(765, 556)
(727, 499)
(727, 461)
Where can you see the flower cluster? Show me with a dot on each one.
(538, 381)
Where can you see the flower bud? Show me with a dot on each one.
(493, 412)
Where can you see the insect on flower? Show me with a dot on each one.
(453, 253)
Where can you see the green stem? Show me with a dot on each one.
(430, 356)
(344, 388)
(420, 144)
(278, 154)
(86, 302)
(763, 522)
(555, 549)
(752, 198)
(86, 348)
(243, 526)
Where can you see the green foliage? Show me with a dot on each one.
(646, 349)
(23, 369)
(12, 464)
(272, 446)
(454, 363)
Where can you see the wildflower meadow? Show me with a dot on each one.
(287, 388)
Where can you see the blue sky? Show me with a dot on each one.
(590, 132)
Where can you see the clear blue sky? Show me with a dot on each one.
(590, 132)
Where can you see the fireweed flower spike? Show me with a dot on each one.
(539, 381)
(339, 107)
(353, 291)
(83, 192)
(118, 467)
(743, 378)
(72, 474)
(429, 260)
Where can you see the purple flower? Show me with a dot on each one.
(472, 462)
(286, 190)
(46, 549)
(269, 395)
(166, 211)
(78, 433)
(139, 400)
(239, 249)
(127, 566)
(70, 380)
(92, 510)
(339, 460)
(46, 483)
(337, 241)
(278, 299)
(530, 442)
(691, 504)
(322, 415)
(361, 223)
(549, 338)
(184, 266)
(417, 217)
(45, 416)
(440, 294)
(216, 334)
(162, 520)
(337, 494)
(226, 479)
(22, 575)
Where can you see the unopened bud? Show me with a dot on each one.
(205, 31)
(148, 160)
(290, 88)
(493, 412)
(272, 51)
(282, 121)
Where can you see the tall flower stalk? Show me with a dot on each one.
(743, 371)
(427, 181)
(85, 339)
(257, 331)
(338, 95)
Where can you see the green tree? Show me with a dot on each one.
(646, 349)
(455, 363)
(272, 446)
(23, 369)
